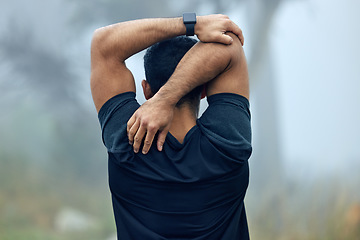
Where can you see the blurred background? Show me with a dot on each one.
(304, 67)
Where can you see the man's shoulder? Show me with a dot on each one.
(120, 108)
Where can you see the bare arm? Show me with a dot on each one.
(223, 66)
(112, 45)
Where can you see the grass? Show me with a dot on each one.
(319, 211)
(31, 198)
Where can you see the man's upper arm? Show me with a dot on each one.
(109, 75)
(235, 78)
(226, 123)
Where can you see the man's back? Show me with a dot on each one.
(193, 190)
(192, 184)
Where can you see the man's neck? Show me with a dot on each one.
(184, 119)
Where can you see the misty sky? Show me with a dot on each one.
(315, 53)
(317, 67)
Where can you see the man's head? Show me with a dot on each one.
(160, 62)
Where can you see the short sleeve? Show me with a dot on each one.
(113, 117)
(226, 123)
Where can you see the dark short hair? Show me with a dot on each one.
(160, 61)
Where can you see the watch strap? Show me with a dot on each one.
(189, 20)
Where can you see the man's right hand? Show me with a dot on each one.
(212, 28)
(154, 116)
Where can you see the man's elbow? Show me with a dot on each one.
(101, 42)
(97, 41)
(232, 50)
(235, 49)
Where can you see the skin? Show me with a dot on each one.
(218, 60)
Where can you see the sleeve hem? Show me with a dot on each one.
(221, 96)
(114, 98)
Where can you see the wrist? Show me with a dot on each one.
(165, 98)
(182, 27)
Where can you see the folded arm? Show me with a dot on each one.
(112, 45)
(222, 67)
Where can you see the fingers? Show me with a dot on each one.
(130, 123)
(230, 26)
(237, 31)
(132, 129)
(138, 138)
(136, 133)
(226, 39)
(149, 139)
(161, 139)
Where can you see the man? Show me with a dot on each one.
(192, 184)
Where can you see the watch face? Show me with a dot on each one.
(189, 17)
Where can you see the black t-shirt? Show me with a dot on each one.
(193, 190)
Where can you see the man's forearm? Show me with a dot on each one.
(201, 64)
(122, 40)
(125, 39)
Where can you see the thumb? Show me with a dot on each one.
(226, 39)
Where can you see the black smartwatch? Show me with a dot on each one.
(189, 20)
